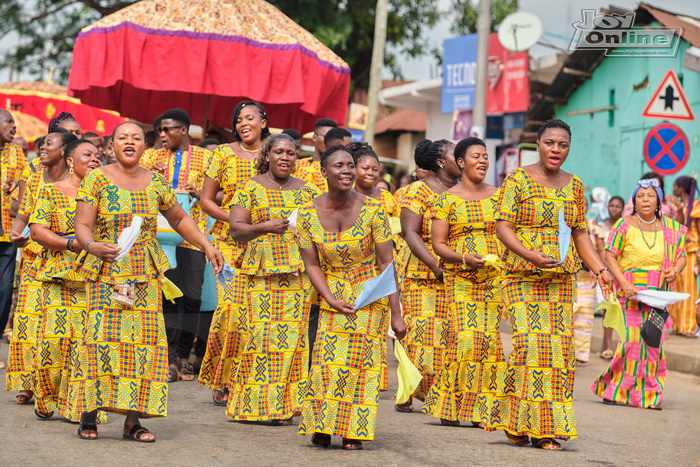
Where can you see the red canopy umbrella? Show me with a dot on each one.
(205, 56)
(46, 100)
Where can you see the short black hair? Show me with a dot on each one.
(156, 122)
(553, 123)
(463, 146)
(70, 147)
(296, 136)
(206, 142)
(325, 122)
(62, 117)
(336, 134)
(150, 137)
(332, 150)
(428, 152)
(179, 115)
(129, 123)
(264, 134)
(90, 134)
(619, 198)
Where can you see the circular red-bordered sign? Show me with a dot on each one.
(666, 149)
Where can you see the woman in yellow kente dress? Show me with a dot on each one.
(535, 400)
(273, 369)
(62, 297)
(464, 233)
(21, 358)
(122, 360)
(232, 166)
(344, 239)
(423, 291)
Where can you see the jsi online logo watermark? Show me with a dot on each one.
(617, 35)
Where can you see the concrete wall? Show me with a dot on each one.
(609, 153)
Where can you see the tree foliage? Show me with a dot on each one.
(47, 29)
(467, 13)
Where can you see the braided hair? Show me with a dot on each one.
(236, 113)
(428, 152)
(57, 120)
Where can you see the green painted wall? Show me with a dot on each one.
(609, 153)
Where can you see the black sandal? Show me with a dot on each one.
(282, 421)
(186, 373)
(173, 374)
(42, 415)
(136, 434)
(321, 439)
(352, 444)
(220, 397)
(88, 422)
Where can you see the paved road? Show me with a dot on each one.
(198, 433)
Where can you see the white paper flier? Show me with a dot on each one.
(377, 288)
(128, 237)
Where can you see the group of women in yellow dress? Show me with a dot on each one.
(90, 337)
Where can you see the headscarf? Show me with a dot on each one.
(598, 210)
(689, 186)
(646, 183)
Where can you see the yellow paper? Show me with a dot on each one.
(395, 224)
(408, 375)
(170, 290)
(613, 316)
(492, 260)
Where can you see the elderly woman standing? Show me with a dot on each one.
(535, 400)
(344, 239)
(272, 375)
(645, 250)
(62, 297)
(123, 357)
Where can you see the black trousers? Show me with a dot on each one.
(8, 257)
(182, 317)
(313, 328)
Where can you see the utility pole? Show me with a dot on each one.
(483, 29)
(375, 71)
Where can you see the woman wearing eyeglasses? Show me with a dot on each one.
(645, 251)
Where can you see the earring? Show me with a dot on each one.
(70, 170)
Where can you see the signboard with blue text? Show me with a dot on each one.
(459, 73)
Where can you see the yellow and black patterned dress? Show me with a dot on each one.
(228, 332)
(61, 304)
(22, 351)
(475, 365)
(122, 360)
(423, 298)
(273, 369)
(536, 396)
(309, 170)
(346, 366)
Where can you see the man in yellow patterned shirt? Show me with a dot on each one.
(310, 169)
(183, 165)
(12, 164)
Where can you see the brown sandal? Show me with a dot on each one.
(447, 422)
(406, 407)
(518, 440)
(23, 399)
(547, 444)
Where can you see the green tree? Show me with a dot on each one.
(467, 13)
(47, 30)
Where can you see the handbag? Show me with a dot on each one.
(653, 327)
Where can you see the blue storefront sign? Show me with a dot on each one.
(459, 73)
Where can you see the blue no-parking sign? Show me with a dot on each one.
(666, 149)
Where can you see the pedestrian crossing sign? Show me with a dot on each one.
(668, 101)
